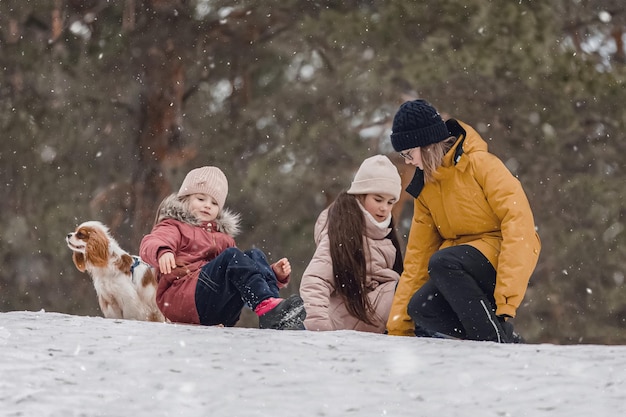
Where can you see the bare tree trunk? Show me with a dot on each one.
(128, 19)
(56, 21)
(159, 142)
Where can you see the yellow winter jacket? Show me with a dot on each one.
(478, 202)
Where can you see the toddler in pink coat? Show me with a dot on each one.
(203, 277)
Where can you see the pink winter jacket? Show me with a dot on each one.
(193, 246)
(325, 308)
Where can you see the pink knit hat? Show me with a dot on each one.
(206, 180)
(377, 175)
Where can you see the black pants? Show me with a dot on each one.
(458, 300)
(230, 281)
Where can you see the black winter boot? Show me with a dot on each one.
(511, 335)
(289, 314)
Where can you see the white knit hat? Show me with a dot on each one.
(206, 180)
(377, 175)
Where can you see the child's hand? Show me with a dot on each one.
(167, 262)
(282, 269)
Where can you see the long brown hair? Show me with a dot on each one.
(346, 226)
(432, 157)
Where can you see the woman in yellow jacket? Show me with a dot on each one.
(472, 245)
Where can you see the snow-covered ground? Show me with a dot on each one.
(55, 364)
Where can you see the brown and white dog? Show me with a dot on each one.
(125, 285)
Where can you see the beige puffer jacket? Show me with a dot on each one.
(325, 308)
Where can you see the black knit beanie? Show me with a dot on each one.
(417, 124)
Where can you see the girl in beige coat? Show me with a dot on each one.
(350, 282)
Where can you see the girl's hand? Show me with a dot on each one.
(282, 269)
(167, 262)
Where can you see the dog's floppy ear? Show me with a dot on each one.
(124, 263)
(98, 248)
(79, 261)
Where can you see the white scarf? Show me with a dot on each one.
(381, 225)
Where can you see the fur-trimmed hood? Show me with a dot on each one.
(171, 207)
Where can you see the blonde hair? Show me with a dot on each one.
(432, 157)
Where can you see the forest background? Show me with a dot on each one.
(106, 105)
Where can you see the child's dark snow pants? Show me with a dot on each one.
(231, 280)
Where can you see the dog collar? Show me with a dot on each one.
(136, 261)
